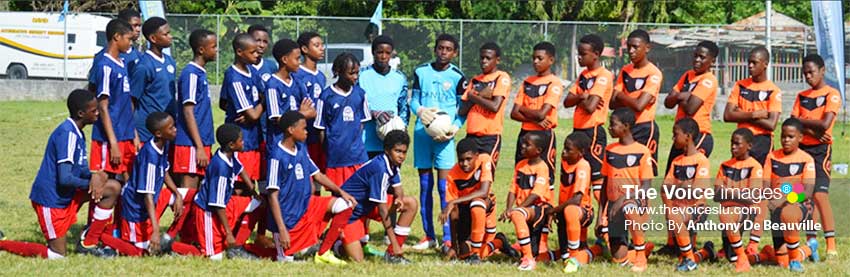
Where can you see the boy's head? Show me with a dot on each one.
(758, 61)
(346, 68)
(229, 136)
(119, 33)
(638, 44)
(622, 121)
(589, 49)
(82, 105)
(792, 134)
(685, 132)
(382, 50)
(395, 146)
(704, 56)
(287, 53)
(813, 69)
(161, 126)
(312, 46)
(245, 48)
(261, 36)
(574, 147)
(467, 150)
(204, 43)
(294, 125)
(490, 54)
(742, 141)
(543, 56)
(531, 146)
(134, 19)
(445, 49)
(157, 32)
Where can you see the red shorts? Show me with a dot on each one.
(250, 163)
(307, 231)
(338, 175)
(99, 158)
(137, 233)
(55, 222)
(356, 230)
(183, 161)
(209, 231)
(317, 154)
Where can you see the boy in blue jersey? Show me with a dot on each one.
(341, 111)
(194, 118)
(386, 93)
(63, 182)
(370, 187)
(152, 81)
(283, 92)
(437, 86)
(313, 51)
(298, 217)
(130, 56)
(265, 66)
(243, 106)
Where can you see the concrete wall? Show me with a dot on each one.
(51, 90)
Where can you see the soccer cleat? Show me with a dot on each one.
(527, 264)
(96, 251)
(239, 253)
(372, 251)
(328, 258)
(2, 236)
(473, 259)
(425, 243)
(668, 250)
(571, 266)
(832, 254)
(795, 266)
(813, 244)
(108, 252)
(686, 265)
(506, 248)
(709, 247)
(396, 259)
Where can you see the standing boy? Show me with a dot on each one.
(152, 81)
(386, 93)
(131, 56)
(484, 102)
(313, 51)
(243, 105)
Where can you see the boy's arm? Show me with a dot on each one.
(535, 115)
(150, 206)
(818, 125)
(228, 234)
(517, 115)
(68, 179)
(401, 102)
(248, 181)
(636, 104)
(383, 211)
(768, 123)
(274, 206)
(192, 128)
(177, 207)
(106, 120)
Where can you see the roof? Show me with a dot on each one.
(779, 22)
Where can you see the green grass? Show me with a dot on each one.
(25, 126)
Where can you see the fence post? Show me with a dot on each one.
(297, 26)
(217, 45)
(461, 45)
(546, 30)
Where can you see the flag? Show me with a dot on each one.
(64, 11)
(829, 37)
(374, 28)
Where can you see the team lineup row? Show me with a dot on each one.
(150, 127)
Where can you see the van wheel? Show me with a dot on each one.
(16, 71)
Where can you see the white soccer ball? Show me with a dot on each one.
(440, 126)
(395, 123)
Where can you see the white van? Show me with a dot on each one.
(363, 52)
(31, 44)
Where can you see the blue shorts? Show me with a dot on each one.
(428, 153)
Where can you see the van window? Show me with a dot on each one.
(333, 52)
(101, 38)
(72, 38)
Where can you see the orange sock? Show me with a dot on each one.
(701, 255)
(543, 246)
(518, 217)
(742, 264)
(573, 227)
(782, 259)
(686, 249)
(829, 235)
(476, 236)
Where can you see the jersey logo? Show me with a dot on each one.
(347, 114)
(447, 86)
(292, 105)
(633, 84)
(266, 77)
(535, 91)
(525, 181)
(126, 85)
(170, 69)
(811, 104)
(736, 174)
(299, 172)
(316, 91)
(786, 169)
(684, 172)
(468, 183)
(255, 94)
(623, 161)
(755, 95)
(158, 69)
(586, 83)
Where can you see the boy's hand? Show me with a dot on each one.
(506, 215)
(486, 93)
(306, 106)
(444, 216)
(177, 207)
(153, 248)
(545, 123)
(825, 138)
(382, 116)
(399, 203)
(96, 184)
(114, 154)
(760, 114)
(231, 241)
(348, 198)
(201, 157)
(284, 240)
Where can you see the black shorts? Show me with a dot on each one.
(762, 145)
(775, 216)
(548, 154)
(537, 224)
(705, 144)
(822, 154)
(488, 145)
(647, 134)
(598, 141)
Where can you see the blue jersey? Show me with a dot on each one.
(217, 187)
(242, 93)
(341, 115)
(194, 89)
(280, 98)
(315, 82)
(438, 89)
(265, 69)
(147, 177)
(370, 183)
(290, 174)
(152, 85)
(113, 82)
(130, 58)
(383, 93)
(66, 144)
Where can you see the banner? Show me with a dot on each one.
(829, 36)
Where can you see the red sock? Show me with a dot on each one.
(246, 225)
(185, 249)
(124, 247)
(177, 224)
(26, 249)
(337, 223)
(102, 217)
(401, 233)
(260, 251)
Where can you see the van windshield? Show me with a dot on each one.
(101, 38)
(333, 52)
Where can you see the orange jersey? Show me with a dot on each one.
(626, 166)
(480, 121)
(750, 97)
(633, 81)
(690, 170)
(796, 168)
(704, 87)
(537, 91)
(813, 104)
(462, 183)
(739, 174)
(596, 82)
(531, 179)
(575, 179)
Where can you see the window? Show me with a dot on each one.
(101, 38)
(72, 38)
(333, 52)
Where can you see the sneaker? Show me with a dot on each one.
(668, 250)
(639, 263)
(425, 243)
(795, 266)
(813, 244)
(328, 258)
(108, 252)
(239, 253)
(709, 247)
(386, 240)
(571, 266)
(2, 236)
(832, 254)
(396, 259)
(527, 264)
(473, 259)
(309, 251)
(446, 249)
(96, 251)
(686, 265)
(372, 251)
(506, 248)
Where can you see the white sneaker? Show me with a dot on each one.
(386, 240)
(425, 244)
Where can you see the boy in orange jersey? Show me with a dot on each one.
(816, 108)
(484, 102)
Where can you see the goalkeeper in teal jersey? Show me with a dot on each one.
(386, 93)
(437, 86)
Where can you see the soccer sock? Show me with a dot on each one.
(245, 226)
(753, 245)
(793, 253)
(489, 236)
(518, 217)
(547, 256)
(441, 189)
(583, 256)
(492, 246)
(98, 225)
(829, 235)
(782, 259)
(685, 247)
(826, 217)
(573, 227)
(177, 224)
(124, 247)
(185, 249)
(479, 218)
(25, 249)
(337, 223)
(401, 233)
(426, 200)
(701, 255)
(543, 244)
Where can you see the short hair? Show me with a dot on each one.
(257, 27)
(156, 120)
(445, 37)
(128, 14)
(382, 39)
(625, 115)
(641, 34)
(793, 122)
(288, 119)
(710, 46)
(282, 48)
(151, 26)
(241, 40)
(78, 100)
(341, 61)
(227, 133)
(594, 41)
(579, 140)
(689, 126)
(197, 38)
(536, 139)
(117, 26)
(396, 137)
(547, 47)
(492, 46)
(305, 37)
(813, 58)
(763, 50)
(466, 145)
(744, 133)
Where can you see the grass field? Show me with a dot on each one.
(25, 126)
